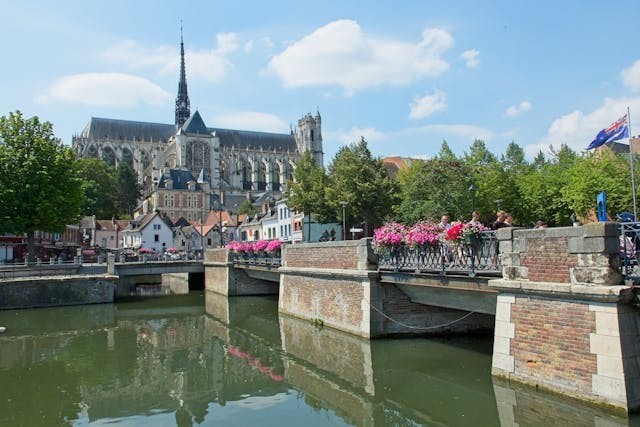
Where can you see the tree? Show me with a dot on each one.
(99, 185)
(128, 190)
(592, 174)
(361, 180)
(39, 185)
(434, 188)
(308, 189)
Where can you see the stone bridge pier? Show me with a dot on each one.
(565, 321)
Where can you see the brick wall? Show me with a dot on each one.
(337, 301)
(326, 255)
(548, 259)
(551, 342)
(216, 255)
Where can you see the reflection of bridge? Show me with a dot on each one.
(555, 283)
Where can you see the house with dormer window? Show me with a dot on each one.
(151, 231)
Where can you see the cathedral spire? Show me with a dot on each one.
(182, 100)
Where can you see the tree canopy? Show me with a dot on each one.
(39, 183)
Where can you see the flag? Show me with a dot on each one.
(618, 130)
(201, 178)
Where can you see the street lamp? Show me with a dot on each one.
(201, 181)
(344, 227)
(220, 206)
(498, 201)
(473, 189)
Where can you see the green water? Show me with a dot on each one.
(203, 359)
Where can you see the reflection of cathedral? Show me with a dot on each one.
(243, 160)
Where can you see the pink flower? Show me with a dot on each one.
(389, 235)
(274, 246)
(260, 245)
(422, 234)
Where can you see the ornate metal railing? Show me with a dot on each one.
(629, 235)
(477, 255)
(263, 259)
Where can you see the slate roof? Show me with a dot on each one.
(180, 178)
(196, 125)
(245, 138)
(114, 129)
(101, 128)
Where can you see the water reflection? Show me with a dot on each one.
(212, 360)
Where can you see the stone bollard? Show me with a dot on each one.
(52, 260)
(38, 261)
(111, 261)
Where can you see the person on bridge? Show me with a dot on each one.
(499, 222)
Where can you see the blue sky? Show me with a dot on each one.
(406, 75)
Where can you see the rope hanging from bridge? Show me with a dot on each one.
(423, 328)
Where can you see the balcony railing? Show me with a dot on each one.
(478, 255)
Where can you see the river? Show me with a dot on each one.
(203, 359)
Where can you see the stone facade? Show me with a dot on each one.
(234, 161)
(564, 319)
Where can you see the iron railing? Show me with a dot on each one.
(629, 236)
(478, 255)
(265, 259)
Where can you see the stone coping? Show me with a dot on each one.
(59, 278)
(305, 271)
(601, 293)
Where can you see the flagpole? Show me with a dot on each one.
(633, 177)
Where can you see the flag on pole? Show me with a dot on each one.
(617, 130)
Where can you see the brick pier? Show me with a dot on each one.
(565, 321)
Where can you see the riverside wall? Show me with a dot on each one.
(56, 291)
(565, 320)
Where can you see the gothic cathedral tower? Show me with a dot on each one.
(182, 100)
(309, 137)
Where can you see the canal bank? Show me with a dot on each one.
(53, 291)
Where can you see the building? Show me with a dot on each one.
(151, 231)
(108, 233)
(234, 161)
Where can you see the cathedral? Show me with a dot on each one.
(231, 162)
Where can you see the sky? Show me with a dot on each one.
(405, 75)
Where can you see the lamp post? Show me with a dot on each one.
(201, 181)
(473, 189)
(220, 206)
(344, 227)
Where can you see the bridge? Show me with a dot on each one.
(562, 315)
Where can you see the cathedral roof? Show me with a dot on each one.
(245, 138)
(113, 129)
(195, 124)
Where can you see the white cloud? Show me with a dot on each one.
(250, 120)
(516, 110)
(471, 58)
(631, 76)
(427, 105)
(577, 129)
(262, 43)
(354, 134)
(105, 89)
(208, 64)
(340, 53)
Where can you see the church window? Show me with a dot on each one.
(109, 156)
(311, 134)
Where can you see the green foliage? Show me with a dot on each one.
(128, 190)
(247, 208)
(99, 185)
(39, 185)
(361, 180)
(308, 189)
(434, 188)
(595, 173)
(541, 189)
